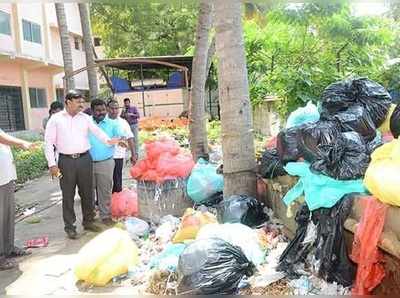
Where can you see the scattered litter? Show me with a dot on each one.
(37, 242)
(136, 228)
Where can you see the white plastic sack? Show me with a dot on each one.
(239, 235)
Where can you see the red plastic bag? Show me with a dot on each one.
(365, 252)
(124, 203)
(165, 160)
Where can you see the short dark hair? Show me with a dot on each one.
(112, 101)
(73, 93)
(56, 105)
(97, 102)
(127, 99)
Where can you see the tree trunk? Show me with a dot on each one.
(88, 44)
(197, 115)
(65, 45)
(236, 118)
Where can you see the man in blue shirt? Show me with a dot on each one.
(102, 156)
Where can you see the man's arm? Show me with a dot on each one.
(131, 144)
(136, 112)
(50, 136)
(9, 140)
(101, 135)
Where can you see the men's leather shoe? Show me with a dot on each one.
(92, 227)
(72, 234)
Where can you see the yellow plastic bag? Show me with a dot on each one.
(191, 223)
(108, 255)
(382, 178)
(385, 127)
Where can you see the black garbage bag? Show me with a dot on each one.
(331, 254)
(375, 143)
(241, 209)
(345, 159)
(338, 96)
(356, 118)
(215, 199)
(212, 266)
(374, 97)
(395, 122)
(271, 165)
(321, 239)
(287, 142)
(316, 134)
(297, 250)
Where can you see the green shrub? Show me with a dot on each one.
(29, 164)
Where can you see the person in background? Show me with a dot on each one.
(102, 156)
(120, 152)
(69, 132)
(8, 176)
(131, 114)
(55, 107)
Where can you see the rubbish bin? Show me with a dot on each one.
(156, 200)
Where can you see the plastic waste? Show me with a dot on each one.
(356, 118)
(320, 237)
(136, 227)
(345, 159)
(212, 266)
(319, 190)
(303, 115)
(365, 252)
(168, 227)
(191, 223)
(382, 178)
(331, 259)
(271, 166)
(287, 144)
(375, 143)
(241, 209)
(124, 203)
(395, 122)
(107, 255)
(204, 182)
(168, 259)
(341, 95)
(315, 135)
(238, 235)
(164, 160)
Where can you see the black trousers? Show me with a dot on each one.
(76, 173)
(117, 177)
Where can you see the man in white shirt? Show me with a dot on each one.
(120, 152)
(8, 176)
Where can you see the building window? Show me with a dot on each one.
(5, 27)
(60, 94)
(31, 32)
(37, 98)
(77, 43)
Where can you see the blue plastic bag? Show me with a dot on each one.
(204, 182)
(168, 259)
(303, 115)
(318, 190)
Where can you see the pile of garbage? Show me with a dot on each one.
(340, 151)
(156, 122)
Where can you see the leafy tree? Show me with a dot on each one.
(145, 28)
(302, 48)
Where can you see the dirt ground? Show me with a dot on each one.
(49, 270)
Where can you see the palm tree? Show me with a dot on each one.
(197, 115)
(236, 118)
(65, 45)
(88, 45)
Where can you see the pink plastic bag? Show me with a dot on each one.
(370, 271)
(124, 203)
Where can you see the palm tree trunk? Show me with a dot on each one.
(197, 115)
(65, 45)
(88, 45)
(236, 118)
